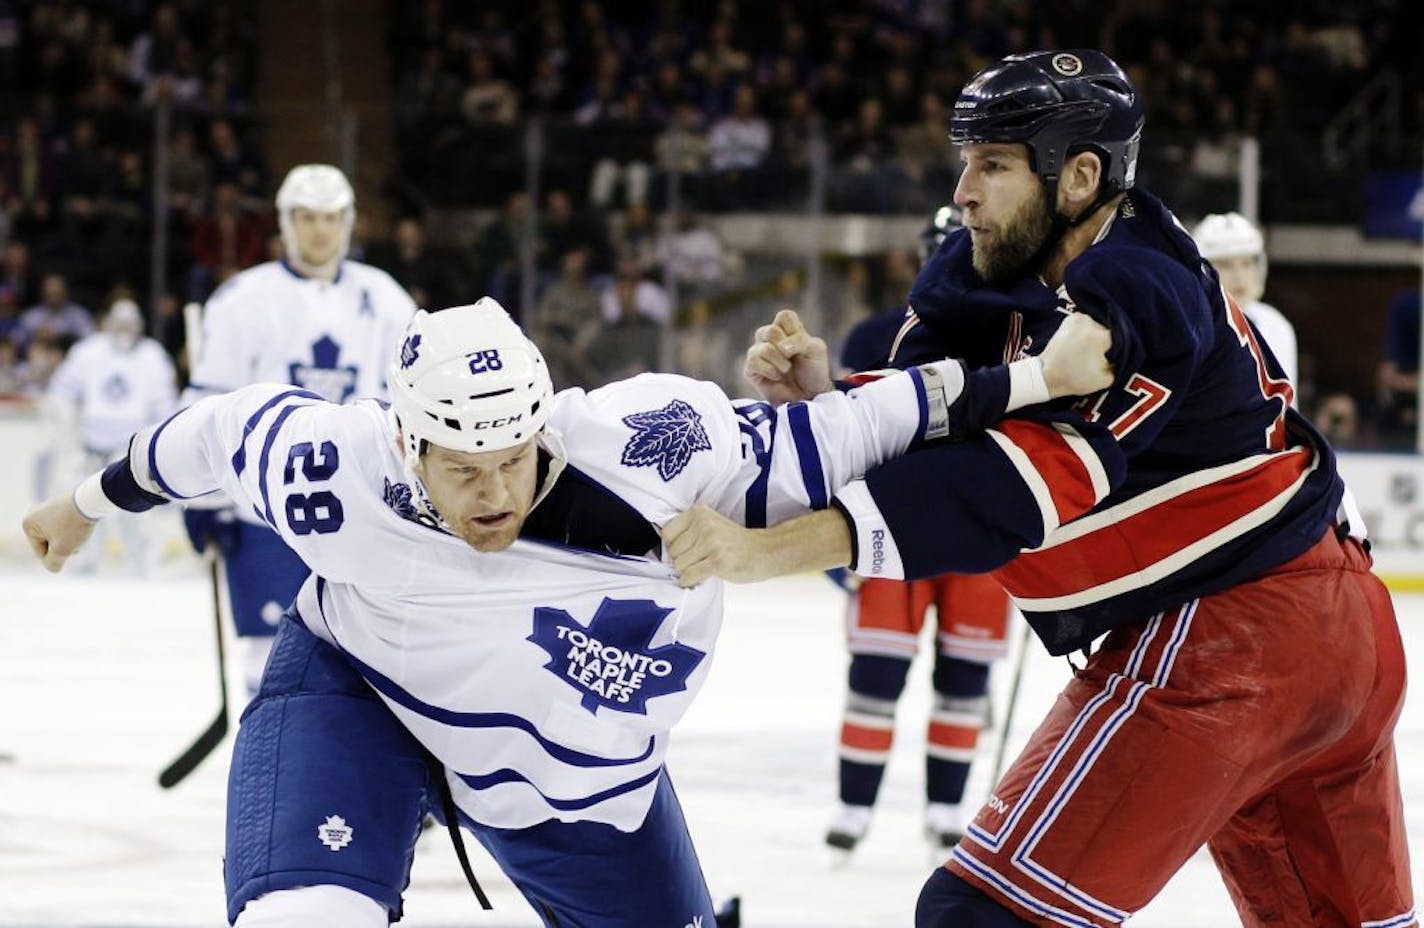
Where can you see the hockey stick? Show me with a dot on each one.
(216, 731)
(1024, 640)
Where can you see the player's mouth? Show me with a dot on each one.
(496, 520)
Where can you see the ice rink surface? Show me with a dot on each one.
(103, 681)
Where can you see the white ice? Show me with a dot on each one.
(103, 681)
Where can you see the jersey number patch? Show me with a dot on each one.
(319, 511)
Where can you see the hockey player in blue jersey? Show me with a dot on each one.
(490, 589)
(1187, 527)
(315, 320)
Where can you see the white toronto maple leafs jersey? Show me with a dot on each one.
(269, 324)
(109, 392)
(546, 678)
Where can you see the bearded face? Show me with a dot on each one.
(1002, 256)
(1005, 207)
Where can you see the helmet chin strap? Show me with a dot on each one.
(1062, 224)
(553, 445)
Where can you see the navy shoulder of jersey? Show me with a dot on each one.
(867, 346)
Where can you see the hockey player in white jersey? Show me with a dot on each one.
(110, 385)
(313, 320)
(490, 588)
(1234, 246)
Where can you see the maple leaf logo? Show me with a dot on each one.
(397, 496)
(410, 350)
(666, 438)
(609, 660)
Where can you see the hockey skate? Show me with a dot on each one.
(846, 829)
(944, 827)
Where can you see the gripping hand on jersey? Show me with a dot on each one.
(55, 530)
(786, 363)
(702, 544)
(1075, 360)
(217, 527)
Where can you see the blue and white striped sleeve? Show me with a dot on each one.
(219, 443)
(797, 456)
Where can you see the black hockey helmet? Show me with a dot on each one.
(1058, 103)
(944, 221)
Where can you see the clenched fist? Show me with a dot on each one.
(786, 363)
(55, 530)
(1075, 360)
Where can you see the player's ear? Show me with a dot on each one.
(1078, 183)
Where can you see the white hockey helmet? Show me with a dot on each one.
(321, 188)
(468, 379)
(1232, 235)
(124, 323)
(1228, 235)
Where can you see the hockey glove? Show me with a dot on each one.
(212, 526)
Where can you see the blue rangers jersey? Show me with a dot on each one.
(1190, 475)
(545, 677)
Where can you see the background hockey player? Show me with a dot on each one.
(884, 619)
(1235, 247)
(110, 385)
(489, 587)
(1249, 675)
(313, 320)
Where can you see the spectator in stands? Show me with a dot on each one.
(568, 321)
(419, 268)
(29, 179)
(683, 147)
(636, 238)
(625, 145)
(795, 131)
(488, 98)
(635, 311)
(1397, 376)
(234, 162)
(923, 151)
(737, 147)
(55, 315)
(155, 50)
(563, 228)
(226, 239)
(692, 257)
(426, 99)
(497, 253)
(705, 349)
(17, 283)
(630, 295)
(189, 176)
(43, 355)
(869, 175)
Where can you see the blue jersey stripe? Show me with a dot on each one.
(505, 775)
(153, 459)
(266, 454)
(239, 460)
(924, 405)
(400, 696)
(798, 417)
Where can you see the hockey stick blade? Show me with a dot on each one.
(216, 731)
(189, 760)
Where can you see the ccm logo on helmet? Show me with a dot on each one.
(496, 423)
(1067, 65)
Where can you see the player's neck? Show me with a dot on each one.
(1076, 241)
(327, 272)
